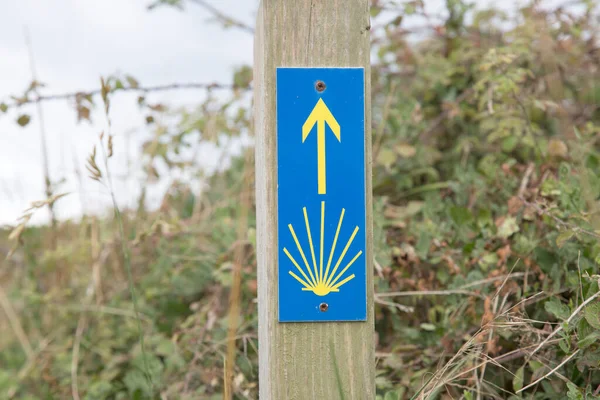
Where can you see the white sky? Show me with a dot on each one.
(77, 41)
(74, 43)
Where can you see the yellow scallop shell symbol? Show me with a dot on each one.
(315, 279)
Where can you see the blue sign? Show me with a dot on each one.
(321, 194)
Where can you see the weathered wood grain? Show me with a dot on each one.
(299, 361)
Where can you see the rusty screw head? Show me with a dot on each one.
(320, 86)
(323, 307)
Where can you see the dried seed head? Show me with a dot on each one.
(92, 166)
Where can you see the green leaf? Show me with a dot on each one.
(592, 314)
(99, 391)
(242, 77)
(3, 107)
(461, 215)
(136, 380)
(508, 228)
(535, 365)
(428, 327)
(564, 345)
(558, 309)
(387, 157)
(584, 328)
(423, 244)
(488, 260)
(173, 3)
(375, 11)
(590, 339)
(393, 395)
(563, 237)
(510, 143)
(406, 150)
(23, 120)
(518, 379)
(574, 393)
(410, 8)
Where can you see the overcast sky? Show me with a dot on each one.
(74, 43)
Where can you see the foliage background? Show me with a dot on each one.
(486, 191)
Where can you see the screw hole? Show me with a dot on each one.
(323, 307)
(320, 86)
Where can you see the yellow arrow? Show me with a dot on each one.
(319, 115)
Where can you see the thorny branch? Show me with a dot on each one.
(226, 19)
(17, 102)
(560, 222)
(541, 211)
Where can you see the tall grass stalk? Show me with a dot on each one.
(123, 242)
(43, 140)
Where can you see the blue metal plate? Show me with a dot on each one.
(321, 194)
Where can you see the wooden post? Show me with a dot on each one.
(307, 361)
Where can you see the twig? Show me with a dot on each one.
(549, 373)
(494, 279)
(430, 293)
(399, 306)
(235, 294)
(425, 135)
(477, 384)
(384, 117)
(75, 356)
(99, 260)
(490, 102)
(43, 138)
(438, 376)
(29, 364)
(95, 252)
(489, 340)
(559, 221)
(147, 89)
(560, 327)
(579, 275)
(102, 310)
(501, 359)
(122, 236)
(525, 180)
(211, 317)
(443, 115)
(378, 268)
(505, 280)
(491, 330)
(223, 17)
(15, 324)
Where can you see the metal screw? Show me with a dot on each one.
(320, 86)
(323, 307)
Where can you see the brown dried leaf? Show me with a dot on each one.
(110, 146)
(514, 205)
(83, 113)
(488, 314)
